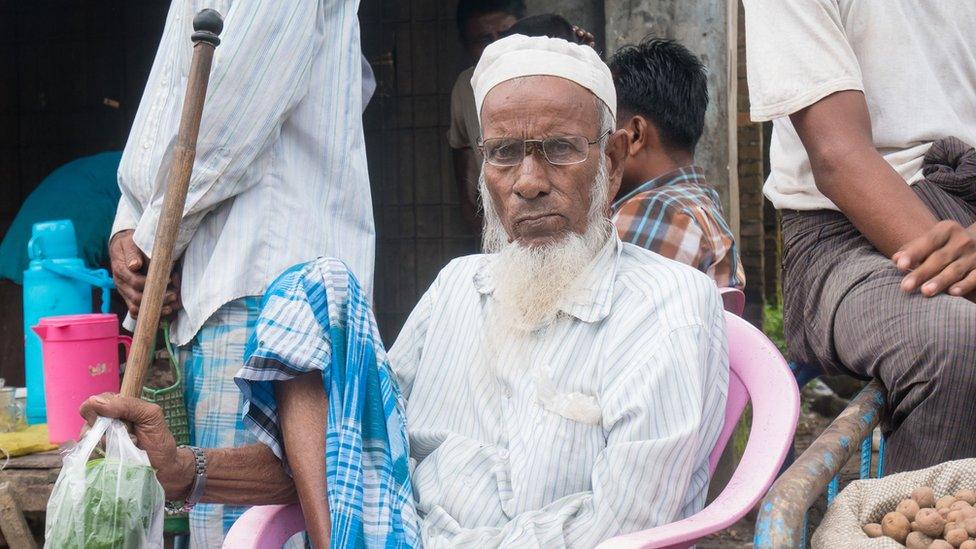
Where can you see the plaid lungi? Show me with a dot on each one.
(214, 403)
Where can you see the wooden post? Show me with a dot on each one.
(12, 522)
(782, 513)
(207, 25)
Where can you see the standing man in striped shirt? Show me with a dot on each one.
(664, 203)
(280, 178)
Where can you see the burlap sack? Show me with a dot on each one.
(866, 501)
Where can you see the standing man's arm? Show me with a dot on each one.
(836, 132)
(466, 167)
(129, 265)
(821, 91)
(126, 259)
(260, 72)
(466, 173)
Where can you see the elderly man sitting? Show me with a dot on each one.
(561, 389)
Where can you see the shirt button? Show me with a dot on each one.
(145, 145)
(508, 393)
(503, 454)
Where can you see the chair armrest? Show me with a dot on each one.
(741, 493)
(681, 534)
(266, 527)
(761, 460)
(781, 521)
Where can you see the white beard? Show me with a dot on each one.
(532, 283)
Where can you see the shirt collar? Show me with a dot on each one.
(593, 295)
(684, 174)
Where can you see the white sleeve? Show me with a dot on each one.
(797, 53)
(406, 352)
(369, 82)
(126, 216)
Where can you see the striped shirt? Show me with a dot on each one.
(679, 216)
(599, 424)
(280, 174)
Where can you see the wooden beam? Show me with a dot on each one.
(732, 97)
(45, 460)
(12, 522)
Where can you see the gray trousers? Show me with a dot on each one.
(845, 312)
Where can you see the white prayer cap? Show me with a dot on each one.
(517, 55)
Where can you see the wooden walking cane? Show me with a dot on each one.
(207, 26)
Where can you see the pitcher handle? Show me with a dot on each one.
(34, 249)
(127, 342)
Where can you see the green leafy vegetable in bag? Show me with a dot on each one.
(114, 502)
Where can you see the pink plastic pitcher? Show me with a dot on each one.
(81, 359)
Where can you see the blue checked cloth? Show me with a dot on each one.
(315, 317)
(215, 404)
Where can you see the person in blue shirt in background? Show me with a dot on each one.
(86, 191)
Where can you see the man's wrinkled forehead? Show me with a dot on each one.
(539, 104)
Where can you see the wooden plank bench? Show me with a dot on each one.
(25, 486)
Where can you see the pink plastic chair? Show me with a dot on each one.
(265, 527)
(758, 373)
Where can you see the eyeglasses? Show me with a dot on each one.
(561, 150)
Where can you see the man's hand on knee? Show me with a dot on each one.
(944, 259)
(174, 467)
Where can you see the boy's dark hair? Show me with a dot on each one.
(664, 82)
(547, 24)
(469, 8)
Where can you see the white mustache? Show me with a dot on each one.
(495, 237)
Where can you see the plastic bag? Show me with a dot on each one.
(111, 502)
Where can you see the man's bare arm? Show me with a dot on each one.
(303, 410)
(250, 475)
(836, 132)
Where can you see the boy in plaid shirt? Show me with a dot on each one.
(664, 203)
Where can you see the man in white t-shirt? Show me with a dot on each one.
(879, 275)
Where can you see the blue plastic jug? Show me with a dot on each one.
(56, 283)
